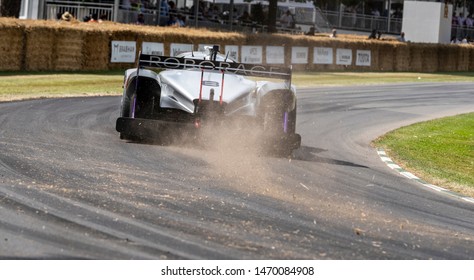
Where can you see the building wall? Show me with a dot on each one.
(427, 22)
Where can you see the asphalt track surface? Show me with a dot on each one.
(71, 189)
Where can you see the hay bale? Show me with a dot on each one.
(95, 50)
(430, 61)
(11, 46)
(416, 58)
(49, 45)
(463, 58)
(385, 58)
(40, 48)
(68, 53)
(471, 58)
(448, 57)
(402, 57)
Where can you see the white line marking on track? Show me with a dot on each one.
(392, 165)
(304, 186)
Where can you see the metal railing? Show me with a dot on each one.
(460, 33)
(360, 22)
(54, 9)
(322, 23)
(325, 20)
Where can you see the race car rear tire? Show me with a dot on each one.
(279, 134)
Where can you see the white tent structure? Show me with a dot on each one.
(427, 22)
(31, 9)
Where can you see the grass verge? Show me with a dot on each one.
(364, 78)
(20, 85)
(439, 151)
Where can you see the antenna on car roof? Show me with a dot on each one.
(227, 56)
(214, 51)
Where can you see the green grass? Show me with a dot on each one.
(441, 151)
(364, 78)
(21, 85)
(14, 86)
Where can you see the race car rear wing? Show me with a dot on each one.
(256, 70)
(224, 67)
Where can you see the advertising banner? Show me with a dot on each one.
(299, 55)
(123, 51)
(176, 49)
(275, 55)
(232, 51)
(252, 54)
(343, 56)
(363, 58)
(153, 48)
(323, 56)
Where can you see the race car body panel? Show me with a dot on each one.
(198, 88)
(184, 85)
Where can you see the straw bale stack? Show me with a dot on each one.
(68, 53)
(471, 59)
(448, 58)
(40, 47)
(378, 57)
(464, 58)
(95, 50)
(416, 57)
(386, 57)
(402, 57)
(430, 61)
(36, 45)
(11, 45)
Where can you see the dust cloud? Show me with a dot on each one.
(235, 154)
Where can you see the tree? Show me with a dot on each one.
(272, 15)
(258, 14)
(10, 8)
(351, 3)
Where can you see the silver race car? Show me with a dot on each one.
(168, 96)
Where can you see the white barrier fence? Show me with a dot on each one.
(125, 52)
